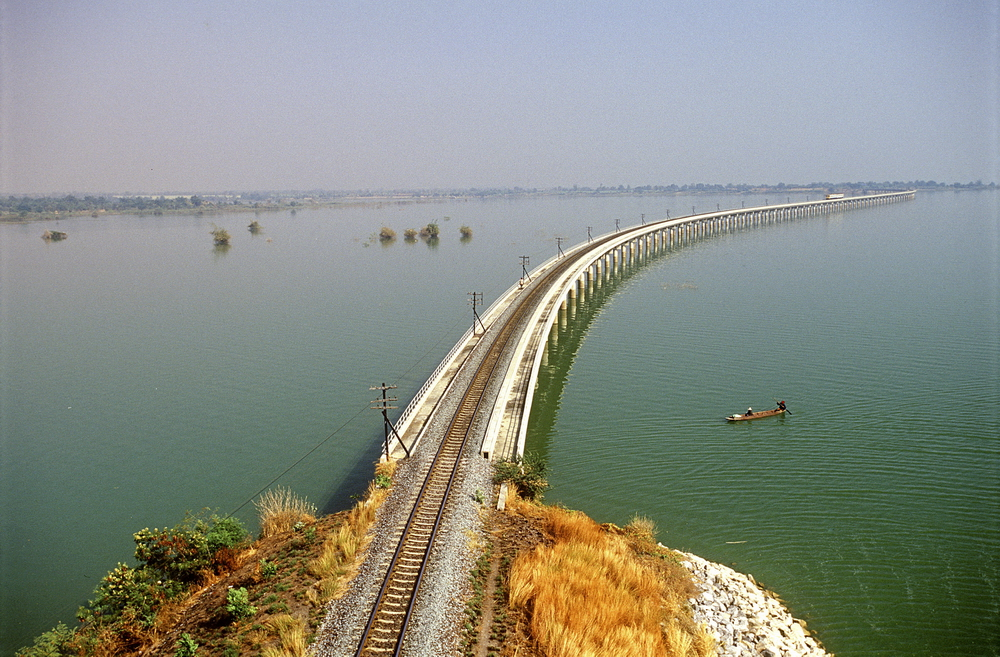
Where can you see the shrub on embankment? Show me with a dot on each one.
(203, 587)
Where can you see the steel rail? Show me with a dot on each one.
(386, 627)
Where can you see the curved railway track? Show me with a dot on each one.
(386, 627)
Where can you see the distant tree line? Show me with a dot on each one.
(24, 205)
(13, 207)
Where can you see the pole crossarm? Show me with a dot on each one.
(384, 404)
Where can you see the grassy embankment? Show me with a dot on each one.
(601, 590)
(550, 582)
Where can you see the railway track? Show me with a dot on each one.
(386, 627)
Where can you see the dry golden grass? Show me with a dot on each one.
(279, 509)
(591, 594)
(337, 562)
(291, 634)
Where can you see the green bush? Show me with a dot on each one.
(238, 604)
(54, 643)
(180, 553)
(226, 532)
(430, 231)
(268, 569)
(184, 551)
(186, 646)
(135, 593)
(527, 473)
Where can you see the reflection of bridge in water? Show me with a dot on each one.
(479, 398)
(583, 273)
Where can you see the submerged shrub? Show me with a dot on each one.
(220, 236)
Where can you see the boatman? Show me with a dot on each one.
(749, 411)
(781, 405)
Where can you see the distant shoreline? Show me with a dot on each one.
(28, 208)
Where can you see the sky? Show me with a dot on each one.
(200, 96)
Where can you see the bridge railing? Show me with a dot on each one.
(625, 234)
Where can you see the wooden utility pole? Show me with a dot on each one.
(383, 405)
(525, 261)
(559, 241)
(476, 299)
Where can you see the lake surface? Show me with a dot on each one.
(144, 373)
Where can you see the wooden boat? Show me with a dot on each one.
(756, 415)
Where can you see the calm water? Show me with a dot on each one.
(145, 374)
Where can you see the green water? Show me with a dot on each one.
(873, 508)
(144, 374)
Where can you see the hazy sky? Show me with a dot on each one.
(212, 95)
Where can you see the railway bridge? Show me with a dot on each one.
(476, 403)
(552, 292)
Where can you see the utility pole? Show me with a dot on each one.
(668, 214)
(616, 225)
(559, 246)
(642, 219)
(383, 405)
(525, 261)
(589, 238)
(476, 300)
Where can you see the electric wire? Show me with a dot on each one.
(434, 347)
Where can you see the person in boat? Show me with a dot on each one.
(781, 405)
(749, 411)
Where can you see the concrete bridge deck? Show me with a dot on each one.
(504, 435)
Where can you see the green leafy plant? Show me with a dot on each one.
(180, 553)
(383, 481)
(527, 473)
(54, 643)
(238, 604)
(268, 569)
(134, 593)
(431, 231)
(226, 532)
(186, 646)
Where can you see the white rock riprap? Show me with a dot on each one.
(744, 618)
